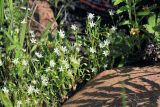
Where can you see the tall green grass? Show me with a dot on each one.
(1, 11)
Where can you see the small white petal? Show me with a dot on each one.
(23, 21)
(91, 16)
(74, 27)
(5, 90)
(52, 63)
(39, 55)
(92, 24)
(61, 34)
(114, 28)
(92, 50)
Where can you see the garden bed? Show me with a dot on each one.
(50, 49)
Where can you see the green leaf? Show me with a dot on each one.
(1, 11)
(11, 47)
(116, 2)
(34, 48)
(122, 9)
(23, 31)
(5, 100)
(143, 13)
(126, 22)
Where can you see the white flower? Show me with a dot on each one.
(52, 63)
(17, 30)
(64, 49)
(65, 63)
(77, 49)
(39, 55)
(92, 24)
(113, 28)
(61, 33)
(75, 61)
(24, 50)
(31, 32)
(23, 21)
(24, 62)
(111, 12)
(15, 61)
(74, 27)
(47, 69)
(34, 81)
(94, 69)
(105, 66)
(19, 103)
(56, 50)
(106, 42)
(90, 16)
(36, 90)
(44, 80)
(61, 69)
(30, 89)
(1, 63)
(27, 100)
(5, 90)
(106, 53)
(101, 45)
(33, 40)
(33, 35)
(92, 50)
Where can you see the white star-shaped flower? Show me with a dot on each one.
(5, 90)
(106, 53)
(56, 50)
(91, 16)
(36, 90)
(39, 55)
(111, 12)
(61, 69)
(101, 45)
(61, 33)
(30, 89)
(94, 69)
(34, 81)
(24, 62)
(74, 27)
(15, 61)
(52, 63)
(106, 42)
(114, 28)
(92, 50)
(44, 80)
(92, 24)
(64, 49)
(33, 40)
(65, 63)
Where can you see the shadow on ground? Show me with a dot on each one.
(132, 87)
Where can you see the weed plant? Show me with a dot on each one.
(40, 72)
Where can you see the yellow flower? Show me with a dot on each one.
(134, 31)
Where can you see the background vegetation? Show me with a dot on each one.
(42, 72)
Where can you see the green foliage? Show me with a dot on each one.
(1, 11)
(41, 71)
(5, 100)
